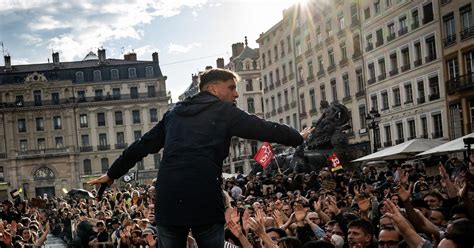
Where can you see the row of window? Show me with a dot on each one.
(104, 164)
(116, 94)
(270, 80)
(81, 94)
(118, 117)
(115, 74)
(402, 29)
(403, 134)
(380, 5)
(406, 60)
(41, 144)
(396, 98)
(103, 143)
(453, 68)
(467, 25)
(277, 52)
(56, 123)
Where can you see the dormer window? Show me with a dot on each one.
(79, 76)
(132, 73)
(97, 76)
(149, 71)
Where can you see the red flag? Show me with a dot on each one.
(264, 155)
(336, 163)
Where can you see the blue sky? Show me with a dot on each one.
(188, 34)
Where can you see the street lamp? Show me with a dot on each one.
(373, 119)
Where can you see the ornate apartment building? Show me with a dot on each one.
(314, 54)
(65, 122)
(245, 61)
(457, 33)
(404, 68)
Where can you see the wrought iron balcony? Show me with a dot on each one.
(120, 145)
(467, 33)
(387, 143)
(391, 37)
(433, 97)
(415, 25)
(459, 83)
(402, 31)
(360, 94)
(449, 40)
(103, 147)
(85, 149)
(399, 141)
(418, 62)
(405, 67)
(430, 58)
(393, 72)
(382, 76)
(369, 47)
(421, 100)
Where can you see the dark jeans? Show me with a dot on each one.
(208, 236)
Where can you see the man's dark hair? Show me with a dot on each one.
(365, 225)
(280, 231)
(214, 75)
(460, 233)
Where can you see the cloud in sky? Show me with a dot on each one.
(179, 49)
(76, 27)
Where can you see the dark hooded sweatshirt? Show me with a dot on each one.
(196, 136)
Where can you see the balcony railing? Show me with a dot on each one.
(303, 114)
(371, 81)
(291, 76)
(430, 58)
(467, 32)
(320, 73)
(402, 31)
(308, 52)
(331, 68)
(415, 25)
(360, 94)
(284, 79)
(418, 62)
(355, 22)
(300, 83)
(3, 155)
(462, 82)
(272, 86)
(277, 83)
(274, 112)
(391, 37)
(382, 76)
(286, 107)
(387, 143)
(103, 147)
(120, 145)
(343, 62)
(346, 99)
(379, 43)
(405, 67)
(313, 111)
(421, 100)
(449, 40)
(411, 137)
(85, 149)
(437, 134)
(399, 141)
(393, 72)
(357, 55)
(38, 152)
(424, 136)
(433, 97)
(369, 48)
(280, 110)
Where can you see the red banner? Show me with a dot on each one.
(336, 163)
(264, 155)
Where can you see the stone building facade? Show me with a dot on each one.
(66, 122)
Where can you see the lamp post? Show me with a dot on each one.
(373, 119)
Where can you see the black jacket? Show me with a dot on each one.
(195, 136)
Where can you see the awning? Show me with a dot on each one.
(402, 151)
(456, 145)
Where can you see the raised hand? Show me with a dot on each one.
(403, 193)
(404, 177)
(305, 133)
(257, 226)
(278, 217)
(317, 205)
(232, 214)
(245, 220)
(300, 213)
(234, 228)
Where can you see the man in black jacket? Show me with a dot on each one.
(196, 136)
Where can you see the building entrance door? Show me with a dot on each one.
(49, 191)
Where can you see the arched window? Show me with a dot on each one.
(104, 164)
(79, 76)
(87, 166)
(250, 105)
(114, 74)
(97, 76)
(132, 72)
(43, 173)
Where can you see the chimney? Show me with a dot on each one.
(130, 57)
(155, 57)
(237, 48)
(55, 60)
(101, 54)
(8, 63)
(195, 79)
(220, 63)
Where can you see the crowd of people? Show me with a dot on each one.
(397, 207)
